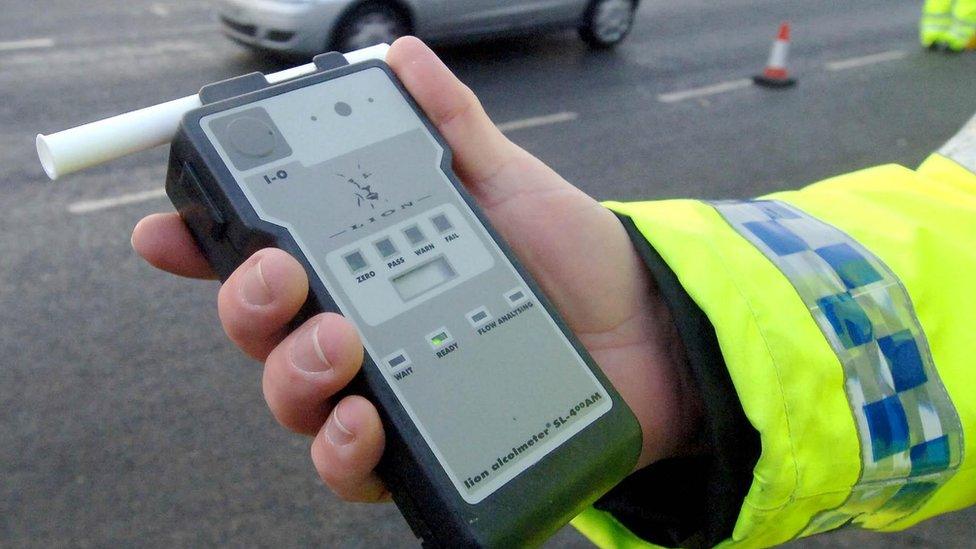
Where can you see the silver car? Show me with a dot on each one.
(308, 27)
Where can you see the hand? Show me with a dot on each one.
(577, 250)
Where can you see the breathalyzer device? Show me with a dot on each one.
(500, 427)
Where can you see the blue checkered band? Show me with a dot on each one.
(909, 431)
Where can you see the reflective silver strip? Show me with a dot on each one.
(910, 434)
(963, 29)
(964, 32)
(962, 147)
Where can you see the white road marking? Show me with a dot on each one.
(714, 89)
(88, 206)
(114, 61)
(159, 9)
(865, 60)
(536, 121)
(30, 44)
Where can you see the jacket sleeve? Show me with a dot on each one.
(830, 331)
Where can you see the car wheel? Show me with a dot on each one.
(369, 24)
(607, 22)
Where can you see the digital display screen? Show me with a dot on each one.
(423, 278)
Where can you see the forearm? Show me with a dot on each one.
(840, 315)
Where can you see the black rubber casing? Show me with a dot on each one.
(524, 511)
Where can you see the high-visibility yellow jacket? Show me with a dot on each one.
(832, 331)
(949, 22)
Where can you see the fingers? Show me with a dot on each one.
(165, 242)
(260, 298)
(480, 149)
(300, 377)
(347, 450)
(308, 368)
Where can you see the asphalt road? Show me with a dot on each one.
(125, 416)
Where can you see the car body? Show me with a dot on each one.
(308, 27)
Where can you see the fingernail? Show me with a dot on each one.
(335, 431)
(254, 289)
(306, 352)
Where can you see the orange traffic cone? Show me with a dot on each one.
(775, 75)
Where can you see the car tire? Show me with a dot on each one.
(368, 24)
(607, 22)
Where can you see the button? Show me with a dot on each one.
(439, 338)
(479, 316)
(441, 223)
(516, 296)
(397, 359)
(414, 235)
(251, 136)
(356, 261)
(386, 248)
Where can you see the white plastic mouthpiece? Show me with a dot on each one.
(92, 144)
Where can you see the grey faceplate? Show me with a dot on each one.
(481, 368)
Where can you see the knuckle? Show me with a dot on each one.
(293, 422)
(295, 405)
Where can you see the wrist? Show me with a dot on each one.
(681, 435)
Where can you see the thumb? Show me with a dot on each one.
(481, 151)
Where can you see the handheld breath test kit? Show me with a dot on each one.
(500, 427)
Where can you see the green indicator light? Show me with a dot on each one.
(438, 339)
